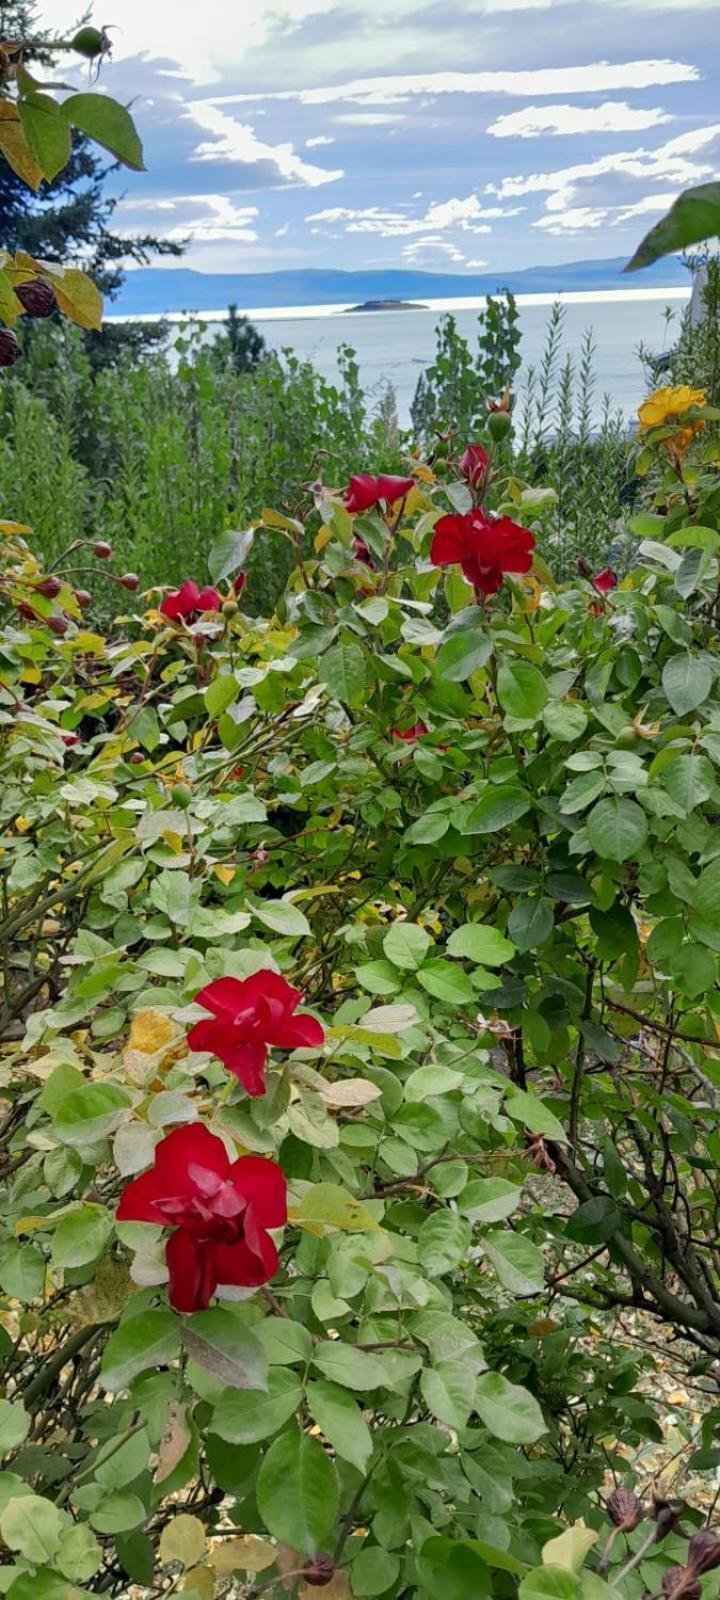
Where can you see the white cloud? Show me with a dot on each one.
(468, 215)
(614, 116)
(369, 119)
(237, 141)
(204, 218)
(577, 220)
(669, 163)
(320, 138)
(598, 77)
(422, 249)
(475, 265)
(650, 203)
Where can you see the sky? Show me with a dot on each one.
(459, 135)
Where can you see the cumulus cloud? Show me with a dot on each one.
(614, 116)
(320, 138)
(203, 218)
(579, 219)
(468, 215)
(670, 163)
(598, 77)
(238, 142)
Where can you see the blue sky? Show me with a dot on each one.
(450, 134)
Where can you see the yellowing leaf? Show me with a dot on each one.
(570, 1548)
(201, 1581)
(225, 874)
(326, 1205)
(175, 1439)
(151, 1031)
(182, 1540)
(15, 528)
(78, 297)
(15, 148)
(349, 1092)
(246, 1554)
(174, 841)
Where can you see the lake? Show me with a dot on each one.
(395, 346)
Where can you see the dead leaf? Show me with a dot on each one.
(175, 1439)
(349, 1092)
(247, 1553)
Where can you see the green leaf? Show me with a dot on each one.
(692, 218)
(229, 553)
(406, 945)
(281, 916)
(47, 132)
(521, 690)
(489, 1199)
(221, 693)
(617, 828)
(550, 1583)
(217, 1340)
(340, 1419)
(285, 1342)
(449, 1392)
(443, 1242)
(244, 1416)
(81, 1236)
(689, 780)
(534, 1115)
(463, 654)
(79, 1555)
(501, 805)
(564, 719)
(479, 942)
(33, 1526)
(508, 1412)
(532, 921)
(706, 895)
(452, 1569)
(327, 1205)
(297, 1492)
(138, 1345)
(92, 1113)
(687, 682)
(517, 1261)
(374, 1570)
(354, 1369)
(14, 1425)
(448, 983)
(109, 124)
(342, 670)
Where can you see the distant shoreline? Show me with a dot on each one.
(465, 303)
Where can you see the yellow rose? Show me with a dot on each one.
(667, 405)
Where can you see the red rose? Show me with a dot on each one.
(362, 551)
(605, 581)
(189, 601)
(219, 1211)
(485, 549)
(249, 1016)
(474, 464)
(410, 733)
(364, 492)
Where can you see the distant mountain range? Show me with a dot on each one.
(158, 290)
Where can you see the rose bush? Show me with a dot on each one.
(360, 1040)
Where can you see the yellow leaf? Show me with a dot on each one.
(570, 1548)
(246, 1554)
(151, 1031)
(182, 1540)
(326, 1205)
(23, 824)
(78, 297)
(201, 1580)
(15, 148)
(321, 539)
(174, 841)
(13, 528)
(225, 874)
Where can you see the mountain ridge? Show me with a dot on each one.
(163, 290)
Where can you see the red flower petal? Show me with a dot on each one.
(224, 997)
(209, 600)
(182, 602)
(191, 1145)
(241, 1265)
(362, 493)
(138, 1202)
(192, 1272)
(392, 489)
(450, 541)
(474, 463)
(606, 580)
(246, 1062)
(263, 1184)
(296, 1033)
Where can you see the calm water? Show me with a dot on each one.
(396, 345)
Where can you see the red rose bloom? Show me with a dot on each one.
(364, 492)
(250, 1015)
(474, 464)
(605, 581)
(485, 549)
(189, 601)
(219, 1210)
(410, 733)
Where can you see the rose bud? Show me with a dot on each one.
(679, 1581)
(230, 608)
(624, 1509)
(59, 625)
(10, 351)
(499, 425)
(49, 587)
(37, 298)
(320, 1571)
(102, 549)
(69, 738)
(83, 597)
(28, 611)
(704, 1551)
(582, 567)
(129, 580)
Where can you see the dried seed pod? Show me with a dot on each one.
(624, 1509)
(58, 625)
(679, 1581)
(10, 351)
(83, 597)
(320, 1571)
(704, 1551)
(102, 549)
(37, 297)
(129, 580)
(49, 587)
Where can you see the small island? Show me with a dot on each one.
(389, 305)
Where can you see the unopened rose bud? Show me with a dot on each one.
(704, 1551)
(130, 580)
(102, 549)
(58, 625)
(320, 1571)
(624, 1509)
(677, 1581)
(83, 597)
(230, 608)
(49, 587)
(69, 738)
(10, 351)
(37, 298)
(499, 425)
(582, 567)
